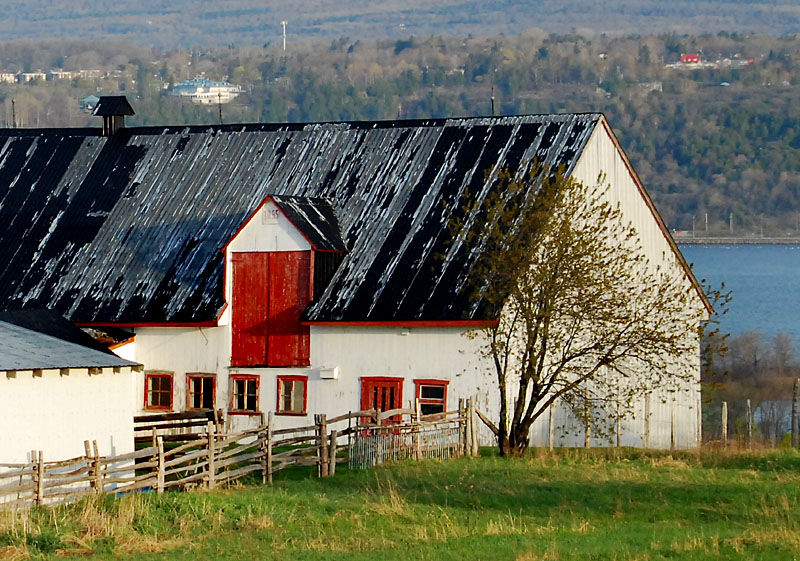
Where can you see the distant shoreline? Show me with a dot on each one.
(689, 240)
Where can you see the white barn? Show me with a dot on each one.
(296, 268)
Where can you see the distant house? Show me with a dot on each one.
(88, 103)
(201, 90)
(8, 77)
(690, 58)
(297, 268)
(59, 388)
(59, 74)
(24, 77)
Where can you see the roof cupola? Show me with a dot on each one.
(113, 108)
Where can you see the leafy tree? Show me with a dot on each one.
(584, 317)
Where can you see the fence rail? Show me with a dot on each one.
(212, 457)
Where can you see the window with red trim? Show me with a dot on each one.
(201, 390)
(244, 394)
(292, 395)
(432, 396)
(158, 390)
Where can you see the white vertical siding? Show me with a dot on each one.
(602, 156)
(55, 413)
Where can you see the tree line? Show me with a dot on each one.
(715, 144)
(758, 368)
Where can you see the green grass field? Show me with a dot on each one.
(574, 505)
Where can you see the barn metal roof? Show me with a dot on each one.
(25, 349)
(316, 220)
(129, 229)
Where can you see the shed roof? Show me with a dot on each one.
(130, 229)
(51, 323)
(25, 349)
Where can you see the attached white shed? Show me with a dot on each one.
(55, 394)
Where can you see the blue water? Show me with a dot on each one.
(764, 279)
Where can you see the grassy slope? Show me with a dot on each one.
(573, 506)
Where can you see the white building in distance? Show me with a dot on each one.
(202, 90)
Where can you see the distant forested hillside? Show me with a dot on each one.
(173, 23)
(717, 140)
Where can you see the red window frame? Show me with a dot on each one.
(375, 386)
(190, 376)
(232, 388)
(428, 400)
(160, 375)
(291, 379)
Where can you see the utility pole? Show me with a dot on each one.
(283, 23)
(13, 114)
(219, 104)
(492, 101)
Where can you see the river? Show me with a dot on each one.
(764, 280)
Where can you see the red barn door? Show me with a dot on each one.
(270, 294)
(289, 295)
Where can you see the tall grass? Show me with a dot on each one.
(575, 504)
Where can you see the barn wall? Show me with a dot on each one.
(55, 413)
(602, 155)
(438, 353)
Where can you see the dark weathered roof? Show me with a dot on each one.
(51, 323)
(24, 349)
(109, 105)
(315, 219)
(130, 229)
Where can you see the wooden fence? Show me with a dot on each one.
(215, 458)
(174, 427)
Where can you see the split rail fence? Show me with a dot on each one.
(361, 439)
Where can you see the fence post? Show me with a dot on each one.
(587, 438)
(551, 428)
(98, 482)
(699, 422)
(672, 424)
(795, 426)
(647, 420)
(160, 476)
(322, 445)
(332, 453)
(418, 431)
(212, 468)
(473, 419)
(618, 422)
(749, 426)
(724, 424)
(267, 472)
(463, 425)
(40, 479)
(469, 428)
(87, 448)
